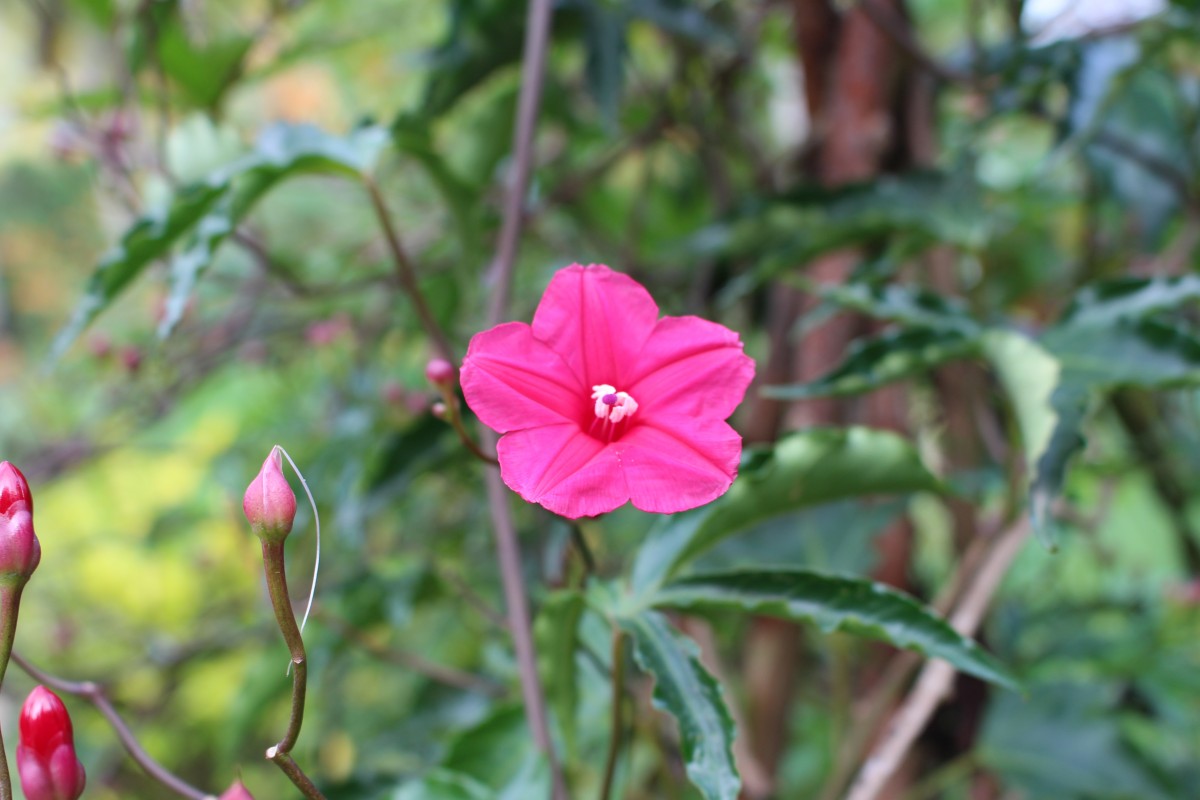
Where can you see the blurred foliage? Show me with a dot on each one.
(191, 270)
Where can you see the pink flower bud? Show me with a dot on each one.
(269, 503)
(237, 791)
(438, 409)
(46, 760)
(441, 373)
(20, 550)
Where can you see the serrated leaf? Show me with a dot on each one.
(1128, 352)
(910, 305)
(148, 239)
(685, 690)
(211, 210)
(283, 151)
(802, 469)
(833, 603)
(556, 634)
(877, 362)
(1105, 303)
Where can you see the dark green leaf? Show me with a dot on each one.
(853, 605)
(878, 362)
(1102, 304)
(493, 751)
(909, 305)
(687, 692)
(1065, 741)
(803, 469)
(1144, 353)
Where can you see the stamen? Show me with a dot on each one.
(612, 405)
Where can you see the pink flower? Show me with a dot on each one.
(601, 402)
(237, 791)
(20, 550)
(269, 503)
(46, 761)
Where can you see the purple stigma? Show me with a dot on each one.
(609, 399)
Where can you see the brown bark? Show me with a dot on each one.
(851, 76)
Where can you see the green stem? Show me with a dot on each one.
(281, 601)
(10, 603)
(618, 697)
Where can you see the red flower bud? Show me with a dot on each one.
(20, 550)
(441, 373)
(237, 791)
(269, 502)
(46, 760)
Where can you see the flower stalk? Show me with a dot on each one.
(20, 553)
(270, 507)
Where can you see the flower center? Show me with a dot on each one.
(611, 405)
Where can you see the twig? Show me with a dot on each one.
(406, 273)
(895, 28)
(415, 662)
(528, 103)
(933, 684)
(95, 695)
(500, 274)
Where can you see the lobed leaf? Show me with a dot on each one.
(833, 603)
(803, 469)
(685, 690)
(886, 359)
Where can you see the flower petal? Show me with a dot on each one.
(512, 381)
(563, 469)
(674, 465)
(597, 320)
(690, 366)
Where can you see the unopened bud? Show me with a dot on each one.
(237, 791)
(441, 373)
(20, 550)
(46, 760)
(269, 503)
(438, 409)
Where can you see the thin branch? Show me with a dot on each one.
(415, 662)
(406, 273)
(528, 104)
(500, 274)
(95, 695)
(896, 28)
(934, 682)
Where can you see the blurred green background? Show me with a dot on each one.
(677, 143)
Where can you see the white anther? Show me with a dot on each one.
(612, 405)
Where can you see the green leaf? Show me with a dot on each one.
(556, 635)
(1030, 375)
(494, 751)
(283, 151)
(803, 469)
(212, 209)
(442, 784)
(687, 692)
(878, 362)
(1103, 304)
(150, 238)
(852, 605)
(910, 305)
(1126, 352)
